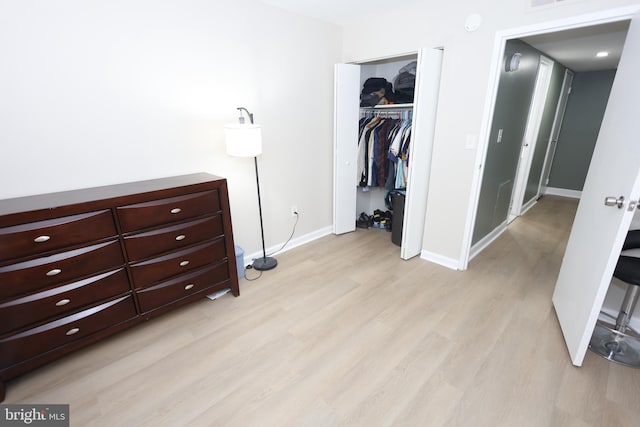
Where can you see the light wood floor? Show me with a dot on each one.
(344, 333)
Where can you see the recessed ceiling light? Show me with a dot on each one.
(602, 54)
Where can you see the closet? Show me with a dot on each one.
(349, 198)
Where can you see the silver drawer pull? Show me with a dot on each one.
(54, 272)
(41, 239)
(183, 263)
(63, 302)
(180, 237)
(189, 286)
(73, 331)
(176, 210)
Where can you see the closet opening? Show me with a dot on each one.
(384, 143)
(384, 119)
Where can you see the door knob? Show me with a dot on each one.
(614, 201)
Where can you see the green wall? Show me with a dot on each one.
(582, 120)
(515, 92)
(513, 101)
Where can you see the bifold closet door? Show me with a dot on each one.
(424, 122)
(346, 112)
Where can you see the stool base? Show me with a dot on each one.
(615, 346)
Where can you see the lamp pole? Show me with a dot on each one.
(264, 263)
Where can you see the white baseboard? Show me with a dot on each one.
(444, 261)
(294, 243)
(487, 240)
(574, 194)
(531, 203)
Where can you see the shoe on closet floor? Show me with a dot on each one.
(363, 221)
(387, 220)
(378, 217)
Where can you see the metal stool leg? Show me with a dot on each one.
(628, 306)
(614, 344)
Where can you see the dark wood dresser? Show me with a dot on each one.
(81, 265)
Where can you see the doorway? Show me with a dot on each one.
(598, 233)
(593, 27)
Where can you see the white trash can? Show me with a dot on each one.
(239, 261)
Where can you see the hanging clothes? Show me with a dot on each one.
(383, 149)
(364, 140)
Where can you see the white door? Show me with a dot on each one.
(424, 123)
(541, 88)
(346, 111)
(555, 131)
(598, 230)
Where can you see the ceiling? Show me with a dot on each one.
(576, 49)
(338, 12)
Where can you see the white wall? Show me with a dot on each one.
(100, 92)
(465, 75)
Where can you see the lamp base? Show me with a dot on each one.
(265, 263)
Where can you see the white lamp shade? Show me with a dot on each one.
(243, 140)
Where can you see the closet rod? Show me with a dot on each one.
(404, 114)
(390, 106)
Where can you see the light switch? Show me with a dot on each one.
(499, 140)
(471, 141)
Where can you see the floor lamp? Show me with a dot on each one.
(245, 140)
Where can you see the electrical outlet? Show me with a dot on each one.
(294, 211)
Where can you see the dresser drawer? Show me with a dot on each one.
(148, 272)
(38, 340)
(183, 286)
(20, 312)
(47, 272)
(42, 236)
(157, 212)
(144, 245)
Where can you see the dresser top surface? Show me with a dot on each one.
(107, 192)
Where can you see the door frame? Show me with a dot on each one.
(558, 118)
(532, 130)
(501, 37)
